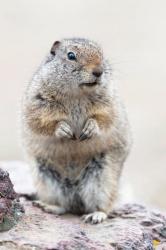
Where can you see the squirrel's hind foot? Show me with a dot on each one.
(94, 218)
(53, 209)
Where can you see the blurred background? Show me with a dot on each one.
(133, 35)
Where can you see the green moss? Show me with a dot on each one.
(11, 219)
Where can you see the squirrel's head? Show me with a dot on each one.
(77, 63)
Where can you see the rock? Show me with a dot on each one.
(129, 227)
(10, 207)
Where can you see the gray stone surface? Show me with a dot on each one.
(130, 227)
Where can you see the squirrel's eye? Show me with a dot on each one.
(71, 56)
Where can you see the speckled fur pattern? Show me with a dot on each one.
(75, 130)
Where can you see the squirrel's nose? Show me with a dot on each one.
(97, 72)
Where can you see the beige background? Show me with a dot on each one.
(133, 34)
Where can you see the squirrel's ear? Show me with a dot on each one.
(54, 47)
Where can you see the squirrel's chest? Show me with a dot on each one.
(78, 114)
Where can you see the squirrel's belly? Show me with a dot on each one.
(70, 150)
(76, 195)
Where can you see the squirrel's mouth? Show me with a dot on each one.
(89, 84)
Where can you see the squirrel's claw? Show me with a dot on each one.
(64, 130)
(91, 128)
(83, 136)
(94, 218)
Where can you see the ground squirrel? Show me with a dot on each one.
(75, 131)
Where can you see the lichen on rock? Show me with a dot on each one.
(10, 207)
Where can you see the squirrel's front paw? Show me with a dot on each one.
(90, 129)
(64, 130)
